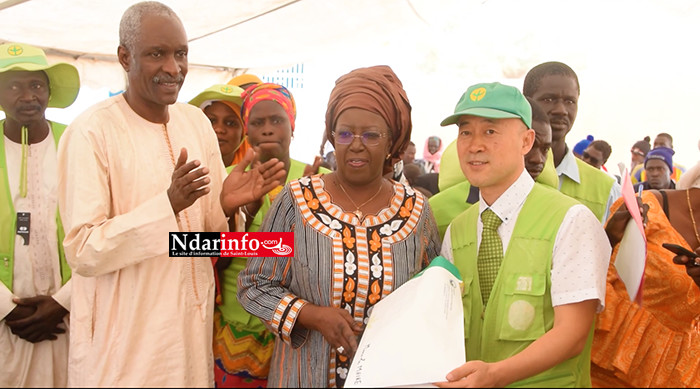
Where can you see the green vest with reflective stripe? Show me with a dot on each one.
(593, 191)
(8, 219)
(520, 306)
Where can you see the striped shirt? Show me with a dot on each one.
(339, 261)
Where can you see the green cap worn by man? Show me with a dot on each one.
(456, 194)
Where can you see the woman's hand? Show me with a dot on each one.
(241, 187)
(617, 222)
(692, 265)
(335, 324)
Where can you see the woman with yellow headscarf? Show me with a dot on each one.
(222, 105)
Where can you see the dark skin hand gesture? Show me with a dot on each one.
(242, 187)
(253, 207)
(335, 324)
(189, 182)
(692, 265)
(617, 222)
(41, 324)
(310, 170)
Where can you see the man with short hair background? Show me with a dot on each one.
(662, 139)
(555, 87)
(35, 285)
(597, 154)
(658, 166)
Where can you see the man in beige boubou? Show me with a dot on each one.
(132, 169)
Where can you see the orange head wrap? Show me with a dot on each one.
(268, 91)
(376, 89)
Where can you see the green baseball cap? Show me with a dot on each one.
(494, 101)
(64, 81)
(217, 92)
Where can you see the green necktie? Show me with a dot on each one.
(490, 253)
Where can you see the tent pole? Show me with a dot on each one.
(10, 3)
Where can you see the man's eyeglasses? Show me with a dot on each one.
(593, 160)
(368, 138)
(637, 152)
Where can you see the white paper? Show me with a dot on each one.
(631, 259)
(631, 256)
(415, 335)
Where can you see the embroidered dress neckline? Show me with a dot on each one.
(370, 219)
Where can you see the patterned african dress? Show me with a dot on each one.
(242, 345)
(339, 261)
(656, 344)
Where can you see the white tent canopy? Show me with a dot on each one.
(224, 35)
(635, 59)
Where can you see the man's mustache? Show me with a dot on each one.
(25, 107)
(167, 79)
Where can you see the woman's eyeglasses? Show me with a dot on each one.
(368, 138)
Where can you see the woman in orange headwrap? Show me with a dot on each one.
(357, 237)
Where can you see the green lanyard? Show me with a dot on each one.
(23, 166)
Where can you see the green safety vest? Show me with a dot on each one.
(449, 203)
(452, 201)
(8, 219)
(593, 191)
(520, 305)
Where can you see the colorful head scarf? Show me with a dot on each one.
(376, 89)
(268, 91)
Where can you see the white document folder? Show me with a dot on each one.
(631, 256)
(415, 335)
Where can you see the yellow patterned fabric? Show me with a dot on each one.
(657, 344)
(239, 350)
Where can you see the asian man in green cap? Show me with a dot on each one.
(35, 286)
(528, 314)
(454, 199)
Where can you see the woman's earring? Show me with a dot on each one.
(388, 156)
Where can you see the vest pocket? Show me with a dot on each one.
(467, 304)
(522, 315)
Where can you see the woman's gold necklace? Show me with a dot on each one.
(692, 217)
(357, 211)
